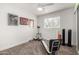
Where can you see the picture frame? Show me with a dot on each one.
(31, 22)
(12, 19)
(23, 21)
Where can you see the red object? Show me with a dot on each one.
(23, 21)
(59, 36)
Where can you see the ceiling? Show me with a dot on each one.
(48, 7)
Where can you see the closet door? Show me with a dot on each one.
(78, 26)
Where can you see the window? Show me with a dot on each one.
(52, 22)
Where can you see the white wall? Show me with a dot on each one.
(67, 21)
(14, 35)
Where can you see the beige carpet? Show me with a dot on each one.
(65, 50)
(36, 48)
(29, 48)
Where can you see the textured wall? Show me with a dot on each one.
(14, 35)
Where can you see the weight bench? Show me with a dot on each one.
(51, 46)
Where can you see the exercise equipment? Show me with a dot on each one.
(38, 34)
(54, 45)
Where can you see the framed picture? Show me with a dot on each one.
(31, 22)
(12, 19)
(23, 21)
